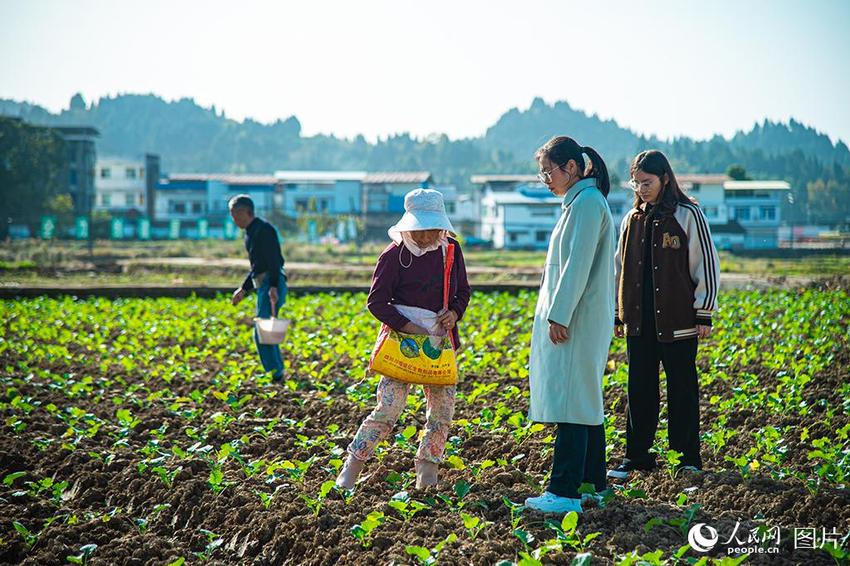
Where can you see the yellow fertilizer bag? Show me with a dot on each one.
(426, 359)
(414, 358)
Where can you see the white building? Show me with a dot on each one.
(709, 192)
(190, 197)
(518, 212)
(462, 210)
(323, 192)
(383, 198)
(264, 190)
(521, 218)
(757, 207)
(383, 192)
(489, 184)
(119, 185)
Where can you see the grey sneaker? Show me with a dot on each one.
(624, 470)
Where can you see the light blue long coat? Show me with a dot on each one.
(577, 292)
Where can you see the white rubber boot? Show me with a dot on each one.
(426, 473)
(350, 472)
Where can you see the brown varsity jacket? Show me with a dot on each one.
(685, 271)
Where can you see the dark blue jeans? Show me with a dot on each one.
(270, 353)
(579, 458)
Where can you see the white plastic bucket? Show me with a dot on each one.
(271, 330)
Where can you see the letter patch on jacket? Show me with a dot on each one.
(671, 241)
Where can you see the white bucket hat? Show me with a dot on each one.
(423, 210)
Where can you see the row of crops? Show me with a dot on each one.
(144, 431)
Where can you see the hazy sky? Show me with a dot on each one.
(669, 68)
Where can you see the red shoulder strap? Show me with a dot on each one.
(447, 271)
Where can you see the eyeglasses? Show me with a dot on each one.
(637, 187)
(545, 177)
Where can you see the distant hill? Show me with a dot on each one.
(521, 133)
(191, 138)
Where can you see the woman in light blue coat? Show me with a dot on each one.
(572, 322)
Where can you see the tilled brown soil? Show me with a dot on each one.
(108, 496)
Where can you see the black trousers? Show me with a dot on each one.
(679, 359)
(579, 458)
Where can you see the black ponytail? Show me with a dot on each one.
(599, 170)
(561, 149)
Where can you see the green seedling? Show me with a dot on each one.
(83, 556)
(315, 503)
(405, 506)
(427, 557)
(363, 531)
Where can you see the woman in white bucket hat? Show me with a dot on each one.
(424, 220)
(407, 296)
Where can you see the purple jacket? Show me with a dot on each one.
(420, 285)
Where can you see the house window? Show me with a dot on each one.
(710, 211)
(105, 173)
(196, 207)
(767, 213)
(542, 236)
(541, 212)
(301, 205)
(513, 237)
(742, 212)
(106, 199)
(131, 173)
(178, 207)
(72, 177)
(450, 208)
(695, 188)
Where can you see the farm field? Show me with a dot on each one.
(143, 431)
(213, 263)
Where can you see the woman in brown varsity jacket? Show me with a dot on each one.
(667, 275)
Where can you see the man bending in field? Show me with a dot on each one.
(266, 276)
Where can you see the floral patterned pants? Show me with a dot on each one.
(392, 398)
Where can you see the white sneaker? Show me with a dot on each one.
(551, 503)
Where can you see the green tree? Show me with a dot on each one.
(829, 202)
(737, 172)
(62, 207)
(31, 168)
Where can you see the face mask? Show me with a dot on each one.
(414, 248)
